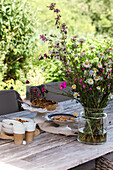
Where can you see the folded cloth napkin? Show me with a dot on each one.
(51, 127)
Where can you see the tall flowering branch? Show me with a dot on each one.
(89, 74)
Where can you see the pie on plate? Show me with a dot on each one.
(43, 103)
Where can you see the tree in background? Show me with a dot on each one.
(101, 15)
(17, 38)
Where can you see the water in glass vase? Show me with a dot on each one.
(92, 127)
(97, 138)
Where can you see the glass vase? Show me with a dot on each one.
(92, 126)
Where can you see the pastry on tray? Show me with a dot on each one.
(43, 103)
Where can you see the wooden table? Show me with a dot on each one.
(50, 151)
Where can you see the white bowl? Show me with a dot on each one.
(24, 118)
(8, 131)
(6, 123)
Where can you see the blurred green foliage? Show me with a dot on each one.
(17, 40)
(22, 23)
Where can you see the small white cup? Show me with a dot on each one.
(30, 129)
(19, 133)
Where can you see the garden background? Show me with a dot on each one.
(22, 23)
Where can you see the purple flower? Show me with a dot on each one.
(102, 70)
(45, 55)
(91, 72)
(38, 95)
(75, 79)
(34, 90)
(57, 19)
(51, 7)
(43, 38)
(108, 85)
(76, 46)
(90, 88)
(57, 10)
(63, 25)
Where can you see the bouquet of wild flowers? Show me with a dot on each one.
(88, 73)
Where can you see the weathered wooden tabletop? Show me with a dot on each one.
(50, 151)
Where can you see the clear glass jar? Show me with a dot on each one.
(92, 127)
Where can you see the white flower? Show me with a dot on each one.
(107, 63)
(67, 62)
(96, 78)
(75, 94)
(91, 48)
(74, 86)
(101, 55)
(99, 64)
(76, 36)
(95, 69)
(90, 81)
(98, 88)
(90, 64)
(83, 55)
(69, 69)
(87, 64)
(81, 41)
(109, 68)
(110, 49)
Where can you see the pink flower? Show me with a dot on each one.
(38, 95)
(84, 85)
(34, 90)
(90, 88)
(108, 85)
(75, 79)
(42, 89)
(63, 85)
(27, 82)
(80, 80)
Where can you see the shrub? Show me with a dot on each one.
(17, 40)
